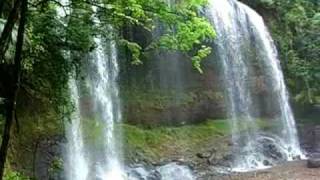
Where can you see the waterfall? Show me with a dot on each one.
(249, 60)
(103, 82)
(82, 164)
(76, 166)
(102, 78)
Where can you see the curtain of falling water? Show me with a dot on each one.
(243, 41)
(106, 98)
(104, 88)
(76, 164)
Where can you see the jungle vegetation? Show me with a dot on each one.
(34, 70)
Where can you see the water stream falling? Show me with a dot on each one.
(77, 166)
(250, 62)
(76, 162)
(104, 89)
(102, 78)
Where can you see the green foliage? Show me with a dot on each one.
(14, 175)
(56, 165)
(202, 53)
(267, 3)
(80, 28)
(192, 4)
(296, 29)
(184, 30)
(164, 141)
(46, 68)
(135, 50)
(159, 142)
(188, 34)
(55, 46)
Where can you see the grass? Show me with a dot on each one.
(161, 142)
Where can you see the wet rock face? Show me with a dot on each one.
(309, 127)
(166, 90)
(313, 163)
(48, 155)
(309, 138)
(271, 150)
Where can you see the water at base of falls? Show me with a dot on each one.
(267, 151)
(173, 171)
(254, 86)
(115, 173)
(170, 171)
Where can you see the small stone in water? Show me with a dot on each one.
(266, 163)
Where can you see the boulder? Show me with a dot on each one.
(204, 155)
(313, 163)
(154, 175)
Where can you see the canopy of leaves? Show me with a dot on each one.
(61, 33)
(184, 30)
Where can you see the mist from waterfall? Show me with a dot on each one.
(249, 60)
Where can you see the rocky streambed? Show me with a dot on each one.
(296, 170)
(202, 150)
(211, 162)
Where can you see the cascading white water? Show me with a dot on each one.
(173, 171)
(246, 51)
(103, 82)
(76, 166)
(76, 163)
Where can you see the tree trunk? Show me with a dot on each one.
(34, 159)
(7, 30)
(11, 107)
(1, 7)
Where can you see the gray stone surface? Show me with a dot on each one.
(313, 163)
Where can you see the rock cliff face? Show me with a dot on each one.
(47, 159)
(309, 128)
(167, 90)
